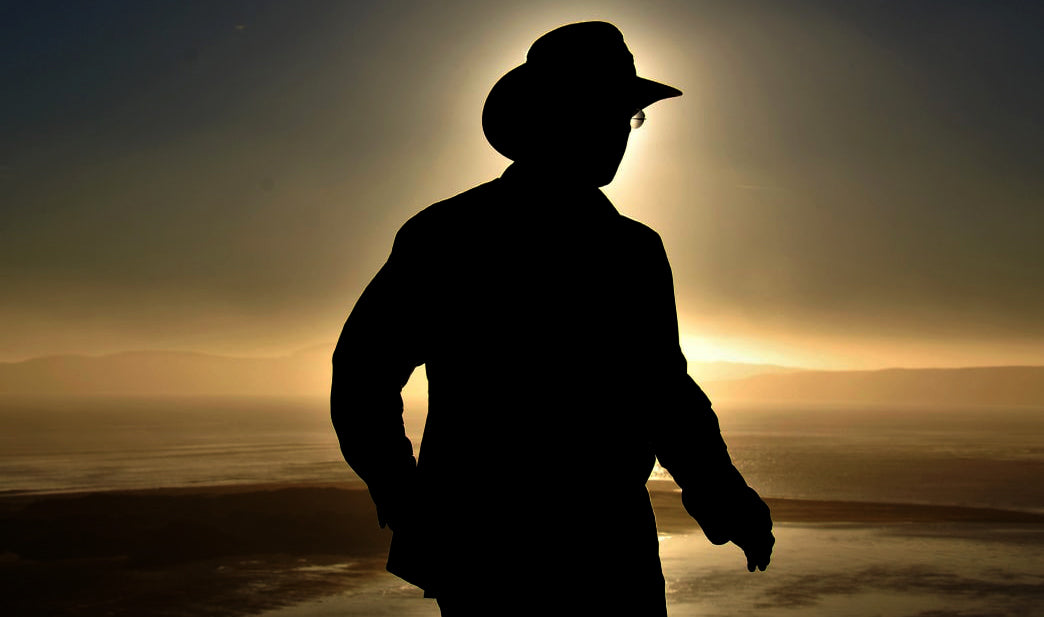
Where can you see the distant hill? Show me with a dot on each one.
(169, 372)
(718, 371)
(308, 373)
(995, 385)
(149, 373)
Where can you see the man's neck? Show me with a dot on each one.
(570, 199)
(548, 175)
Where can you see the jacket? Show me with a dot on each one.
(547, 324)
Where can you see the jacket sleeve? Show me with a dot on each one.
(686, 435)
(377, 351)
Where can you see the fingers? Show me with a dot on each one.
(757, 562)
(758, 552)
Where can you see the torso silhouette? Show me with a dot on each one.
(547, 324)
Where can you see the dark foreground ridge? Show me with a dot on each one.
(237, 550)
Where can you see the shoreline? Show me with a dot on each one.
(663, 493)
(240, 549)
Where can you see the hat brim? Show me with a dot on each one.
(647, 92)
(515, 101)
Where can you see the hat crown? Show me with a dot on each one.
(580, 65)
(590, 49)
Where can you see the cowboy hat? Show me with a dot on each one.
(586, 61)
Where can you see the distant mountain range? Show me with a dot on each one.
(308, 373)
(993, 385)
(169, 372)
(719, 371)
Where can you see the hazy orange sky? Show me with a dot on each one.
(843, 184)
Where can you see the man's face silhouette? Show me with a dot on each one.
(588, 142)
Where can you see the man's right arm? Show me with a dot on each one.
(377, 351)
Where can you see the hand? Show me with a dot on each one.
(396, 504)
(737, 516)
(757, 549)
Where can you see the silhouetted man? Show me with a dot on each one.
(547, 324)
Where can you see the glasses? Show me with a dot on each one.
(638, 119)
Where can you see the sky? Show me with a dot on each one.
(842, 185)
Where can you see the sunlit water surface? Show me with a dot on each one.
(817, 571)
(982, 456)
(986, 457)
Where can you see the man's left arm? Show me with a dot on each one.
(688, 442)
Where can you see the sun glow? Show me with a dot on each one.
(707, 349)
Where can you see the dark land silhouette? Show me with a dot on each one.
(981, 386)
(547, 325)
(307, 373)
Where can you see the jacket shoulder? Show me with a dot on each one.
(451, 213)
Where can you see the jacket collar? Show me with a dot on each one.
(580, 200)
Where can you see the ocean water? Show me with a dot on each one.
(60, 444)
(976, 456)
(817, 571)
